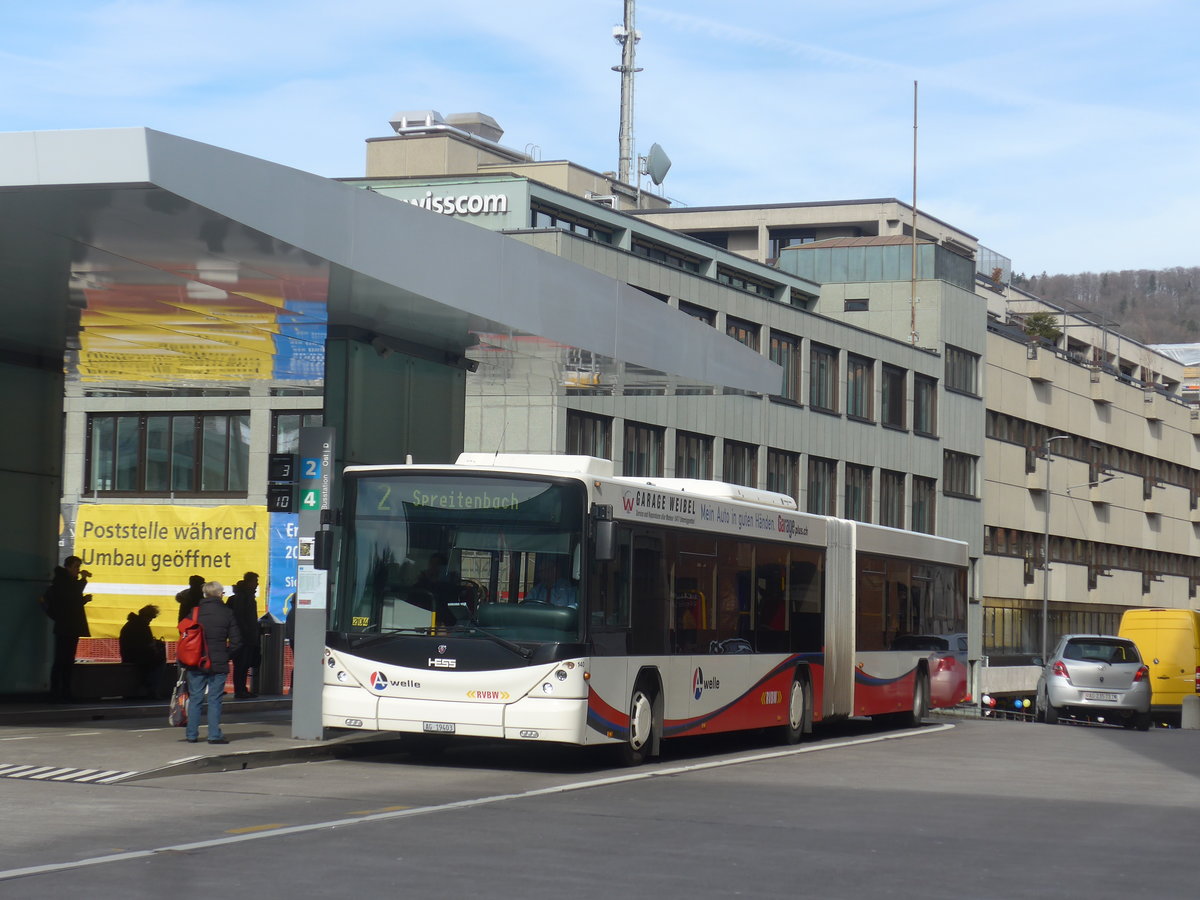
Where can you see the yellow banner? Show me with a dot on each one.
(139, 555)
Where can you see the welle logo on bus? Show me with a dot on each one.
(700, 684)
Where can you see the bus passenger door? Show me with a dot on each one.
(650, 590)
(608, 601)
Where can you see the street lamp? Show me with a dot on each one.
(1046, 548)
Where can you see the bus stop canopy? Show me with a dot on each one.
(161, 258)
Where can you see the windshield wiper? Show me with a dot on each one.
(523, 652)
(361, 638)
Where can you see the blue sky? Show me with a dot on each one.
(1063, 134)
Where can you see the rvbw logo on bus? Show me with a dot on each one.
(700, 684)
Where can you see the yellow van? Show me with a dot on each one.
(1169, 641)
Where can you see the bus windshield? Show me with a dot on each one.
(453, 553)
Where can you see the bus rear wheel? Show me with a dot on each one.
(793, 731)
(920, 704)
(641, 728)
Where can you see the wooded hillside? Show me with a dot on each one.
(1154, 306)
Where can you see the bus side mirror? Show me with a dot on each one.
(606, 540)
(322, 549)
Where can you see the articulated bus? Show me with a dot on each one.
(540, 598)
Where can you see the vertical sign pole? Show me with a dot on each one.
(308, 643)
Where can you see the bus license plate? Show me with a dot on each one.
(438, 727)
(1096, 695)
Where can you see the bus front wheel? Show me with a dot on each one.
(641, 728)
(793, 731)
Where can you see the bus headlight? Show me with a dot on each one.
(547, 688)
(561, 674)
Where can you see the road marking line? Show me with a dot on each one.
(7, 874)
(28, 771)
(367, 812)
(250, 829)
(110, 777)
(28, 737)
(101, 774)
(53, 773)
(84, 733)
(64, 773)
(76, 775)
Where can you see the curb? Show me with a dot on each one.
(49, 715)
(350, 748)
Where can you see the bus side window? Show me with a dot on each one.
(807, 589)
(734, 588)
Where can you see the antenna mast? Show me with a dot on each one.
(627, 36)
(913, 298)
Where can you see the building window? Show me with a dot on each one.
(668, 256)
(860, 387)
(822, 486)
(707, 316)
(643, 450)
(962, 370)
(744, 282)
(285, 429)
(823, 378)
(783, 473)
(856, 304)
(693, 455)
(924, 405)
(742, 332)
(891, 498)
(589, 435)
(780, 238)
(149, 453)
(785, 351)
(958, 474)
(548, 217)
(740, 464)
(858, 492)
(894, 396)
(716, 238)
(924, 504)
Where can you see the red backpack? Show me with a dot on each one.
(192, 650)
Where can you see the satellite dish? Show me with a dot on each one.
(656, 164)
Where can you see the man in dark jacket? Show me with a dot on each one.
(207, 686)
(64, 604)
(189, 598)
(245, 610)
(140, 648)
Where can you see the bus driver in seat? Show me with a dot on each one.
(550, 585)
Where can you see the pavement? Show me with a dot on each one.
(110, 742)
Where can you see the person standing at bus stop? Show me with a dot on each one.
(245, 609)
(206, 687)
(65, 599)
(189, 598)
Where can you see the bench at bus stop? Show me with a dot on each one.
(116, 681)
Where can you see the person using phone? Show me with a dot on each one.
(65, 599)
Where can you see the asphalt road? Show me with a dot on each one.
(981, 809)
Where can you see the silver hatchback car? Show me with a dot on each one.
(1095, 676)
